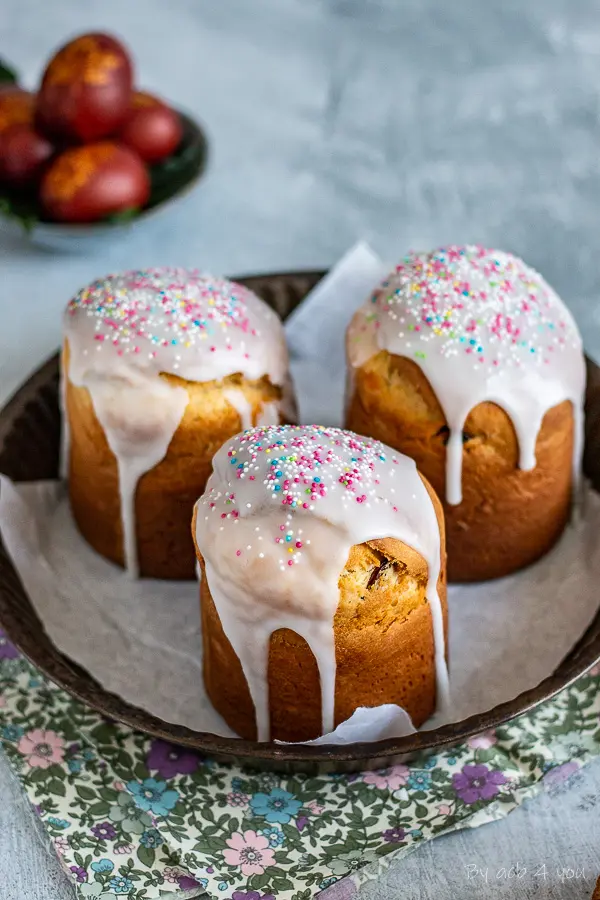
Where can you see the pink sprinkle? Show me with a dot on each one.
(290, 562)
(238, 552)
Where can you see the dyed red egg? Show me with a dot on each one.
(23, 155)
(86, 89)
(143, 98)
(16, 107)
(88, 183)
(153, 130)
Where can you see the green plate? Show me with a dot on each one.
(170, 180)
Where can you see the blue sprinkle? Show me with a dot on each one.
(288, 537)
(277, 487)
(317, 480)
(472, 341)
(279, 473)
(241, 466)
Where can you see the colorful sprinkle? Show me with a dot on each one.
(174, 310)
(471, 300)
(289, 462)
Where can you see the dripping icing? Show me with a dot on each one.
(122, 332)
(281, 511)
(482, 326)
(64, 449)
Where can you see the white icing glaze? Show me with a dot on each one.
(281, 511)
(242, 406)
(65, 441)
(124, 331)
(269, 414)
(139, 421)
(482, 326)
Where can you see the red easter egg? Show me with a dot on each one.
(23, 155)
(84, 184)
(16, 107)
(86, 89)
(153, 129)
(143, 98)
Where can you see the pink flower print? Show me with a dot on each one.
(172, 874)
(250, 852)
(444, 809)
(388, 779)
(595, 670)
(237, 798)
(483, 741)
(315, 808)
(42, 748)
(2, 701)
(123, 849)
(61, 845)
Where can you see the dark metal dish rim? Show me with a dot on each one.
(37, 647)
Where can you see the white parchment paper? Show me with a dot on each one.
(142, 639)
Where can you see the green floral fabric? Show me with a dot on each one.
(137, 818)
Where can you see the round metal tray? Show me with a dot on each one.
(29, 447)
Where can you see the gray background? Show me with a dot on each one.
(407, 123)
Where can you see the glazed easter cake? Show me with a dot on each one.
(322, 582)
(159, 368)
(466, 360)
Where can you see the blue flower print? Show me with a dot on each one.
(12, 732)
(278, 806)
(451, 760)
(120, 885)
(74, 766)
(151, 838)
(275, 835)
(58, 823)
(430, 763)
(102, 865)
(152, 796)
(222, 885)
(419, 781)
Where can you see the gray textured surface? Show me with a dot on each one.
(409, 123)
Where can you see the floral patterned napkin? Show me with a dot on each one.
(136, 818)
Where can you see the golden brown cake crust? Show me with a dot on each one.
(384, 648)
(166, 495)
(508, 518)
